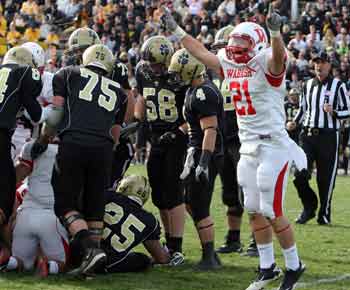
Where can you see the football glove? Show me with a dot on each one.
(176, 259)
(202, 170)
(169, 138)
(168, 23)
(189, 164)
(37, 149)
(273, 21)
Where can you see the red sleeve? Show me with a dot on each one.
(276, 80)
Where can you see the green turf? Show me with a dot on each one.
(325, 250)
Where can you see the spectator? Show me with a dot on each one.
(195, 6)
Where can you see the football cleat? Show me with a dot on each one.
(304, 217)
(209, 262)
(230, 247)
(265, 276)
(177, 259)
(93, 260)
(252, 250)
(291, 277)
(4, 258)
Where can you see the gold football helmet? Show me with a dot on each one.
(100, 56)
(156, 52)
(221, 37)
(185, 66)
(136, 186)
(19, 55)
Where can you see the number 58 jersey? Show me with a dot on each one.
(164, 101)
(258, 97)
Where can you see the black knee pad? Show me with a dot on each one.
(174, 199)
(157, 200)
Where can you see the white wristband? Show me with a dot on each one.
(275, 33)
(179, 33)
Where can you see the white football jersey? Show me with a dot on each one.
(258, 98)
(46, 94)
(40, 193)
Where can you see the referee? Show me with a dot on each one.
(323, 103)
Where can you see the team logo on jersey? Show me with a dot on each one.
(183, 59)
(164, 49)
(240, 72)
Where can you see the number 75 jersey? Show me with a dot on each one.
(258, 97)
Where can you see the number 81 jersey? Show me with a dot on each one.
(164, 101)
(258, 97)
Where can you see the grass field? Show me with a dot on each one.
(325, 250)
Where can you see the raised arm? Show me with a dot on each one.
(276, 64)
(195, 47)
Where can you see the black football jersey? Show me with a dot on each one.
(19, 87)
(164, 101)
(230, 118)
(204, 101)
(120, 74)
(291, 110)
(126, 225)
(93, 104)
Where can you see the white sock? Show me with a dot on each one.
(12, 264)
(53, 267)
(266, 255)
(291, 258)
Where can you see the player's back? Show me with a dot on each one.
(39, 190)
(92, 105)
(127, 224)
(164, 101)
(258, 97)
(17, 85)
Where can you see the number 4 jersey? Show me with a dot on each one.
(93, 104)
(164, 101)
(127, 225)
(258, 97)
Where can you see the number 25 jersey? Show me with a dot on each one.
(258, 97)
(164, 101)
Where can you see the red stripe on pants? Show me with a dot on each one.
(277, 200)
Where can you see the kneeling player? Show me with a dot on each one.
(127, 225)
(36, 223)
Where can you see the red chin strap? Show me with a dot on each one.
(238, 54)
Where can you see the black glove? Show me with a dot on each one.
(202, 170)
(37, 149)
(169, 138)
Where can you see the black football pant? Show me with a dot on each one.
(79, 179)
(345, 142)
(228, 175)
(321, 148)
(8, 174)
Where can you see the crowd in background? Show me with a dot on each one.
(124, 25)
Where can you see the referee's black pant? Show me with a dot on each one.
(321, 147)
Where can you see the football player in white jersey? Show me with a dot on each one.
(36, 224)
(23, 131)
(256, 76)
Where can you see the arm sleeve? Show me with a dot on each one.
(30, 89)
(59, 85)
(120, 114)
(302, 107)
(155, 235)
(206, 101)
(139, 78)
(120, 75)
(24, 156)
(343, 109)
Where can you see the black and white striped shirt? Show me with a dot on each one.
(314, 95)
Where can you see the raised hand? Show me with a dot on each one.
(167, 20)
(273, 20)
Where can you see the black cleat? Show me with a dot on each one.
(209, 262)
(252, 250)
(323, 220)
(230, 247)
(291, 277)
(265, 276)
(304, 217)
(93, 260)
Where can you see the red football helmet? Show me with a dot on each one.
(245, 41)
